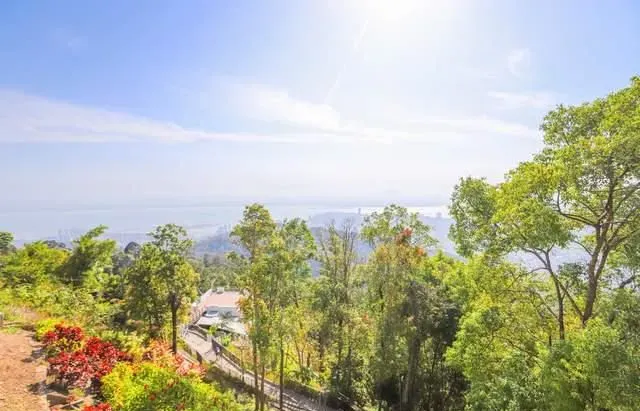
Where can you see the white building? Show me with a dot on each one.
(220, 308)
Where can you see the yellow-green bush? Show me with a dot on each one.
(147, 386)
(46, 325)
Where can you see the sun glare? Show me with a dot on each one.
(392, 10)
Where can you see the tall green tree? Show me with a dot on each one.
(395, 281)
(529, 331)
(296, 248)
(582, 188)
(340, 330)
(161, 282)
(90, 264)
(254, 234)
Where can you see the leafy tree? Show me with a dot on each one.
(133, 249)
(254, 234)
(581, 189)
(33, 264)
(90, 264)
(580, 192)
(161, 281)
(341, 331)
(273, 269)
(411, 311)
(294, 249)
(55, 244)
(6, 242)
(215, 271)
(387, 226)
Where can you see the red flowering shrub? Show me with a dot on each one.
(99, 407)
(62, 339)
(87, 365)
(404, 237)
(160, 354)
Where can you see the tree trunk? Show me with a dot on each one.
(281, 374)
(262, 395)
(255, 377)
(174, 328)
(560, 317)
(408, 395)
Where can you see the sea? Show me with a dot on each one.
(132, 223)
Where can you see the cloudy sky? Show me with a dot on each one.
(151, 100)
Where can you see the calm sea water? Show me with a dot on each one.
(199, 220)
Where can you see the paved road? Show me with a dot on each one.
(293, 401)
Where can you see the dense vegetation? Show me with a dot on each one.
(407, 328)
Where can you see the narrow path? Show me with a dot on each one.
(21, 372)
(293, 400)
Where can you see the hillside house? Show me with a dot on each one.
(219, 307)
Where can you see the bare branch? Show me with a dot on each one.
(570, 216)
(581, 244)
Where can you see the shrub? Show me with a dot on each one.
(62, 339)
(148, 386)
(130, 343)
(44, 326)
(98, 407)
(85, 367)
(160, 354)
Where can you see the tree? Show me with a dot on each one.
(90, 264)
(580, 196)
(33, 264)
(341, 331)
(133, 249)
(6, 242)
(161, 281)
(254, 235)
(397, 285)
(294, 251)
(215, 271)
(583, 188)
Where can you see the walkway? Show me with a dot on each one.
(293, 401)
(21, 373)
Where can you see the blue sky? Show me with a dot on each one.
(140, 101)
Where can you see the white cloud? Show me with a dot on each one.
(535, 99)
(519, 62)
(29, 118)
(271, 104)
(482, 125)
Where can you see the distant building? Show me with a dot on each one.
(220, 308)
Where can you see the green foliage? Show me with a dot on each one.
(129, 342)
(510, 328)
(559, 336)
(6, 241)
(215, 271)
(90, 264)
(594, 370)
(35, 263)
(161, 282)
(45, 325)
(386, 226)
(147, 386)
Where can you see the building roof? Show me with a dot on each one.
(228, 299)
(231, 326)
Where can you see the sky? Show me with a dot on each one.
(155, 101)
